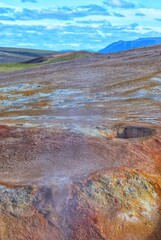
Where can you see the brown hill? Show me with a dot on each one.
(61, 57)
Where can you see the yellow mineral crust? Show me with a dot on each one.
(117, 205)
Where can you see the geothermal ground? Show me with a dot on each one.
(80, 149)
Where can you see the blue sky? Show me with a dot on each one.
(76, 24)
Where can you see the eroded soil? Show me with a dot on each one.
(80, 149)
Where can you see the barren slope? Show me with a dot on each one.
(17, 55)
(80, 149)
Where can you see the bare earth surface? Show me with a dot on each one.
(80, 149)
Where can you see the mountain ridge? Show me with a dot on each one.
(122, 45)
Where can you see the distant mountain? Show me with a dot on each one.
(127, 45)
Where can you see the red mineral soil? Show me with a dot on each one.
(80, 149)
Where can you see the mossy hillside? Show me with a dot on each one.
(21, 66)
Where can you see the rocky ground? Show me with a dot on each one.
(80, 149)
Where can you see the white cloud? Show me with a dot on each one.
(28, 44)
(143, 29)
(116, 3)
(104, 34)
(120, 4)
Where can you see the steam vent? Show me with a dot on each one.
(80, 148)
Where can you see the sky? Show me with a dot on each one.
(76, 24)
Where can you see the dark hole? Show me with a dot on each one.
(134, 132)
